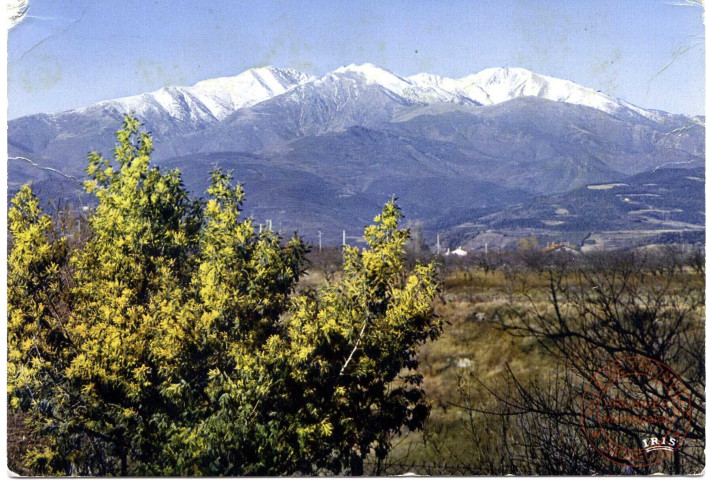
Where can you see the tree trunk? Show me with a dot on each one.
(123, 463)
(356, 465)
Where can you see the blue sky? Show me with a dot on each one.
(71, 54)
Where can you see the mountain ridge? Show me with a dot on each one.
(334, 147)
(488, 86)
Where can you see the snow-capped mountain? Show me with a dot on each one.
(497, 85)
(208, 101)
(268, 107)
(335, 147)
(490, 87)
(407, 89)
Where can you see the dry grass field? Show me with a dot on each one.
(475, 372)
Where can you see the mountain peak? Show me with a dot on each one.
(427, 79)
(216, 98)
(505, 83)
(499, 72)
(363, 69)
(270, 78)
(374, 74)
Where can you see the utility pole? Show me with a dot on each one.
(319, 241)
(438, 245)
(260, 230)
(486, 249)
(344, 238)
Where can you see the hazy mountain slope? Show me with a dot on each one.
(332, 103)
(359, 156)
(664, 205)
(536, 130)
(664, 197)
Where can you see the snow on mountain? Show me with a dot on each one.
(496, 85)
(224, 95)
(503, 84)
(266, 106)
(211, 100)
(370, 73)
(490, 87)
(406, 89)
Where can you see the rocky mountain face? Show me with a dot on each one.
(324, 153)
